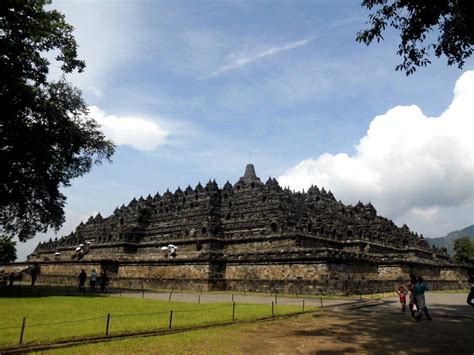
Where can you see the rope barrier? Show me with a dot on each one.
(138, 314)
(63, 322)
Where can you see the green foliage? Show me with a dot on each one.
(415, 20)
(464, 251)
(46, 137)
(7, 249)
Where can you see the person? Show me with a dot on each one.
(103, 281)
(34, 275)
(470, 296)
(82, 280)
(411, 288)
(93, 280)
(402, 294)
(420, 289)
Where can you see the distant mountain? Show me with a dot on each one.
(448, 240)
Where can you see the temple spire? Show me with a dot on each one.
(250, 176)
(250, 172)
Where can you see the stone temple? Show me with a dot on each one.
(250, 236)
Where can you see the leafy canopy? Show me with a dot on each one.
(415, 20)
(46, 137)
(7, 250)
(464, 251)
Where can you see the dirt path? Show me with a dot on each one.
(378, 330)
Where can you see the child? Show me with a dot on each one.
(402, 294)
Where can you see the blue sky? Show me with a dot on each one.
(192, 90)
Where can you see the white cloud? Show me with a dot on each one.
(237, 62)
(409, 165)
(139, 133)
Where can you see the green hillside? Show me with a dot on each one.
(448, 240)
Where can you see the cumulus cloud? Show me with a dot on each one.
(406, 164)
(139, 133)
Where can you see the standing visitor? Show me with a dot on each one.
(34, 275)
(470, 296)
(93, 280)
(103, 281)
(411, 288)
(420, 289)
(82, 280)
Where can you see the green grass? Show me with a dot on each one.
(50, 319)
(223, 340)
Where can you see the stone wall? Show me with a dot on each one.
(293, 276)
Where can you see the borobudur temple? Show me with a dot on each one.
(250, 236)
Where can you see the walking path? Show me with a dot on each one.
(379, 329)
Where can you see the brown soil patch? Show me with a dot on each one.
(360, 333)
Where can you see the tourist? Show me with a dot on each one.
(103, 281)
(34, 275)
(470, 296)
(419, 291)
(402, 294)
(82, 280)
(411, 288)
(93, 280)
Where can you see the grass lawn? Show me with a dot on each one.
(223, 340)
(53, 318)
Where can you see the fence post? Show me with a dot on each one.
(171, 319)
(22, 329)
(107, 324)
(321, 300)
(232, 297)
(233, 311)
(303, 305)
(199, 299)
(372, 294)
(273, 311)
(169, 299)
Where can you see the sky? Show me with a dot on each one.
(194, 90)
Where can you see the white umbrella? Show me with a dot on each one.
(81, 245)
(164, 248)
(88, 242)
(172, 246)
(78, 248)
(57, 253)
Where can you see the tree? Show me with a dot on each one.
(415, 20)
(7, 250)
(46, 136)
(463, 251)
